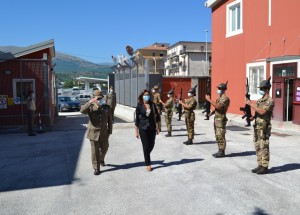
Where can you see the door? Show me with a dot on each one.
(289, 97)
(283, 95)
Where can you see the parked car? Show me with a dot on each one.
(84, 98)
(65, 103)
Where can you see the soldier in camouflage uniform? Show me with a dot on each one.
(99, 128)
(189, 106)
(262, 126)
(169, 111)
(221, 106)
(156, 101)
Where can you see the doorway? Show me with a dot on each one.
(288, 99)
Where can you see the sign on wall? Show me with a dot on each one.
(3, 101)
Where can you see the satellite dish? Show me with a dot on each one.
(114, 59)
(129, 50)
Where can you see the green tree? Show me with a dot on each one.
(68, 83)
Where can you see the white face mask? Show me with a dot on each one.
(219, 92)
(261, 92)
(111, 91)
(101, 101)
(190, 94)
(169, 95)
(153, 91)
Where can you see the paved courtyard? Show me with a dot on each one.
(51, 173)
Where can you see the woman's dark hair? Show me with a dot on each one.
(140, 98)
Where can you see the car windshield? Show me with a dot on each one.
(64, 99)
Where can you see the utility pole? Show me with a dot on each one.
(206, 67)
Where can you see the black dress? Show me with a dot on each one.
(146, 123)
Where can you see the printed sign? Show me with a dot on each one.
(17, 100)
(3, 101)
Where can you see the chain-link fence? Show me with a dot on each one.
(19, 77)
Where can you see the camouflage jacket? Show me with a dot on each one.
(100, 122)
(268, 105)
(156, 100)
(224, 103)
(191, 104)
(169, 105)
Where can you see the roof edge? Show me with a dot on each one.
(212, 3)
(37, 47)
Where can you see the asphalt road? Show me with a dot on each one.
(51, 173)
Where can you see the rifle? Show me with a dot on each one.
(179, 106)
(207, 104)
(246, 109)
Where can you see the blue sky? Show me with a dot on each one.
(96, 29)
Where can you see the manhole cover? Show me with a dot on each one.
(236, 128)
(280, 134)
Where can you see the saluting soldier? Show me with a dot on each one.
(262, 126)
(157, 102)
(111, 101)
(99, 128)
(221, 106)
(189, 106)
(169, 111)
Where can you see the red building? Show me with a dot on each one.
(257, 39)
(21, 70)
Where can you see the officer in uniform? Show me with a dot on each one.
(111, 101)
(169, 111)
(99, 128)
(157, 102)
(189, 106)
(221, 106)
(262, 126)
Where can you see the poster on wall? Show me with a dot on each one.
(298, 94)
(3, 101)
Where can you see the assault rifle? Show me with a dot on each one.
(207, 104)
(179, 106)
(247, 108)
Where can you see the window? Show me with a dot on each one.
(21, 88)
(234, 15)
(256, 73)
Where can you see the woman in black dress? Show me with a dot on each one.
(146, 119)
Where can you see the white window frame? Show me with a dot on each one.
(229, 7)
(15, 81)
(248, 67)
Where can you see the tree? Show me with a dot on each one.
(68, 83)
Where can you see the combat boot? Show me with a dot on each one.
(262, 170)
(97, 172)
(168, 134)
(256, 169)
(189, 142)
(219, 154)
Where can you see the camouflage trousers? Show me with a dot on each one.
(261, 144)
(168, 118)
(189, 122)
(220, 132)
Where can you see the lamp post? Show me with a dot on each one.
(206, 67)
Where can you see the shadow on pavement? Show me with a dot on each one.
(259, 211)
(48, 159)
(181, 135)
(284, 168)
(241, 154)
(205, 142)
(139, 164)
